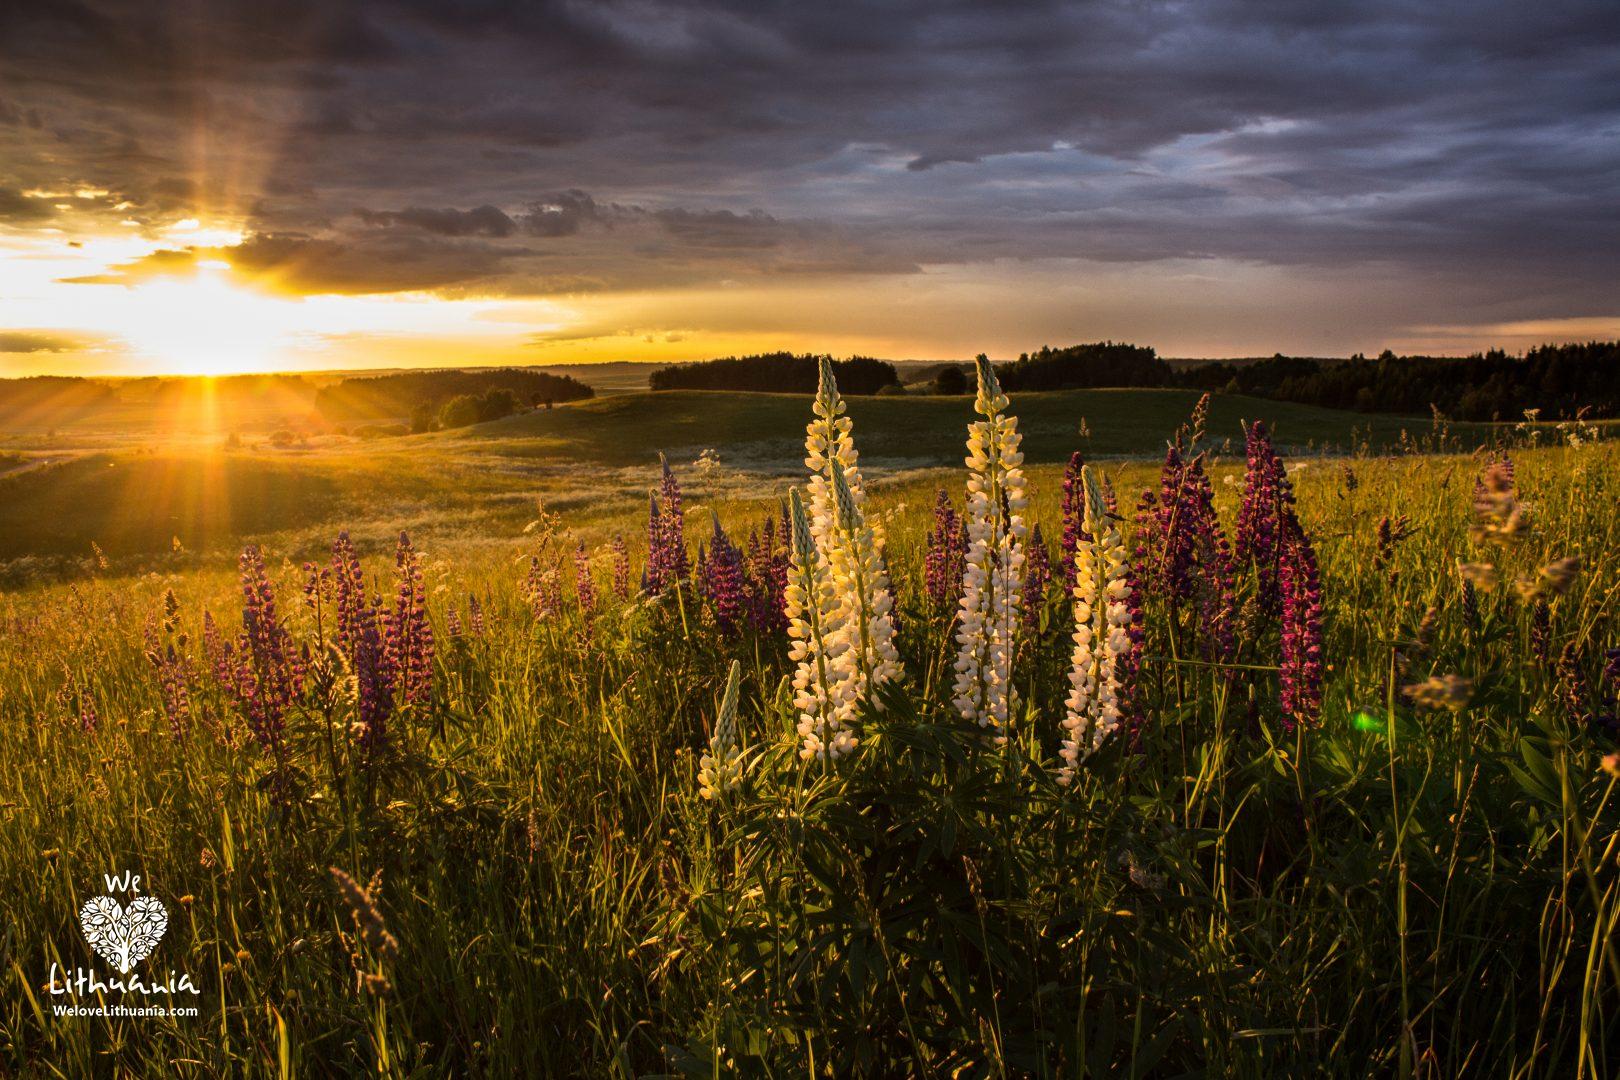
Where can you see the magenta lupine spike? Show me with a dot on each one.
(723, 582)
(652, 577)
(174, 678)
(348, 588)
(266, 678)
(767, 576)
(677, 568)
(373, 677)
(1037, 576)
(621, 569)
(475, 615)
(1074, 509)
(1266, 520)
(584, 582)
(946, 560)
(408, 637)
(216, 653)
(1300, 673)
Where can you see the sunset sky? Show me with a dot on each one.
(214, 187)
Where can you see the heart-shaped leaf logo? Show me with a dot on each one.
(124, 936)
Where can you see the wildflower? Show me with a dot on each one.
(1441, 692)
(722, 579)
(1482, 576)
(1102, 632)
(851, 547)
(452, 621)
(947, 548)
(1499, 516)
(408, 636)
(621, 569)
(584, 582)
(1266, 520)
(1300, 674)
(1573, 690)
(823, 692)
(1074, 512)
(862, 580)
(263, 674)
(372, 672)
(667, 563)
(767, 572)
(1037, 575)
(1541, 633)
(475, 616)
(370, 927)
(174, 672)
(348, 587)
(992, 581)
(1554, 579)
(542, 587)
(720, 769)
(1611, 765)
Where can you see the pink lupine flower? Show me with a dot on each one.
(1266, 520)
(947, 554)
(1300, 675)
(408, 636)
(723, 582)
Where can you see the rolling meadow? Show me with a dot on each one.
(504, 751)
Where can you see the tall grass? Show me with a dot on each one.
(1397, 888)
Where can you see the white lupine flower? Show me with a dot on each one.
(823, 689)
(849, 546)
(1101, 632)
(721, 768)
(993, 581)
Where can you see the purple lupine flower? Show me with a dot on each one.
(374, 670)
(174, 674)
(216, 654)
(946, 560)
(652, 577)
(475, 615)
(584, 582)
(1300, 672)
(1037, 576)
(723, 581)
(1074, 512)
(673, 566)
(543, 589)
(452, 621)
(767, 577)
(75, 701)
(1266, 520)
(408, 636)
(266, 677)
(621, 569)
(348, 588)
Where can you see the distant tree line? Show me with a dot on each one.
(1079, 367)
(776, 373)
(430, 393)
(1559, 380)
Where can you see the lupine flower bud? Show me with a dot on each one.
(720, 770)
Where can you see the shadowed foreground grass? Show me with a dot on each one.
(1396, 891)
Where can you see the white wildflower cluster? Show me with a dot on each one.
(721, 768)
(823, 693)
(1101, 631)
(851, 548)
(992, 584)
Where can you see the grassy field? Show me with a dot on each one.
(149, 502)
(1405, 884)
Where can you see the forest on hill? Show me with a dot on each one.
(775, 373)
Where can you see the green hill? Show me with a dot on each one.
(765, 430)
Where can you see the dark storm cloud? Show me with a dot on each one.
(717, 139)
(479, 221)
